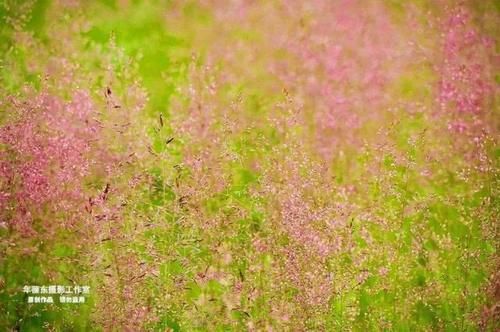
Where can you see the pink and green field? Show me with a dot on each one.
(249, 165)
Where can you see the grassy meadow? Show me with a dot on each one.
(250, 165)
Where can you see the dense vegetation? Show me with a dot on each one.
(250, 165)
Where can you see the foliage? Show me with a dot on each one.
(250, 165)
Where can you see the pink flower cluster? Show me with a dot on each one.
(45, 156)
(465, 85)
(342, 65)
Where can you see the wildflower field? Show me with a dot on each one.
(249, 165)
